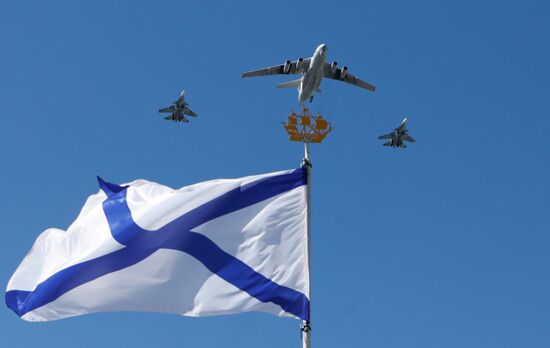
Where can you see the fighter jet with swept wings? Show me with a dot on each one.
(178, 110)
(398, 136)
(313, 70)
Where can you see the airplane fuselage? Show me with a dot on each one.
(399, 133)
(397, 141)
(311, 80)
(180, 103)
(180, 108)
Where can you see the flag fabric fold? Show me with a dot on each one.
(217, 247)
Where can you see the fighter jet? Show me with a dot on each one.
(178, 110)
(313, 70)
(398, 135)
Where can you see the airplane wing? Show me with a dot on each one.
(279, 69)
(336, 74)
(408, 138)
(386, 136)
(170, 108)
(189, 112)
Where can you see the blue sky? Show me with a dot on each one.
(445, 243)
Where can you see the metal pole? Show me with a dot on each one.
(306, 328)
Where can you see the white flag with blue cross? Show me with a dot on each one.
(217, 247)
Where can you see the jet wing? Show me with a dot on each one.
(170, 108)
(408, 138)
(386, 136)
(189, 112)
(279, 69)
(349, 78)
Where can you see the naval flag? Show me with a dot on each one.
(216, 247)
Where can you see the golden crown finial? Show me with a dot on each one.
(307, 128)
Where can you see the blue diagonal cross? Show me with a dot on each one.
(140, 243)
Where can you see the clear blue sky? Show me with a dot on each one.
(443, 244)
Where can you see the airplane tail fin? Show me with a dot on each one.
(290, 84)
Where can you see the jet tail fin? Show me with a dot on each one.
(290, 84)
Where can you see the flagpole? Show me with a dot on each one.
(305, 327)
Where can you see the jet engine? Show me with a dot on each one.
(286, 67)
(343, 72)
(299, 64)
(333, 67)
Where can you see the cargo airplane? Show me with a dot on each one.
(313, 70)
